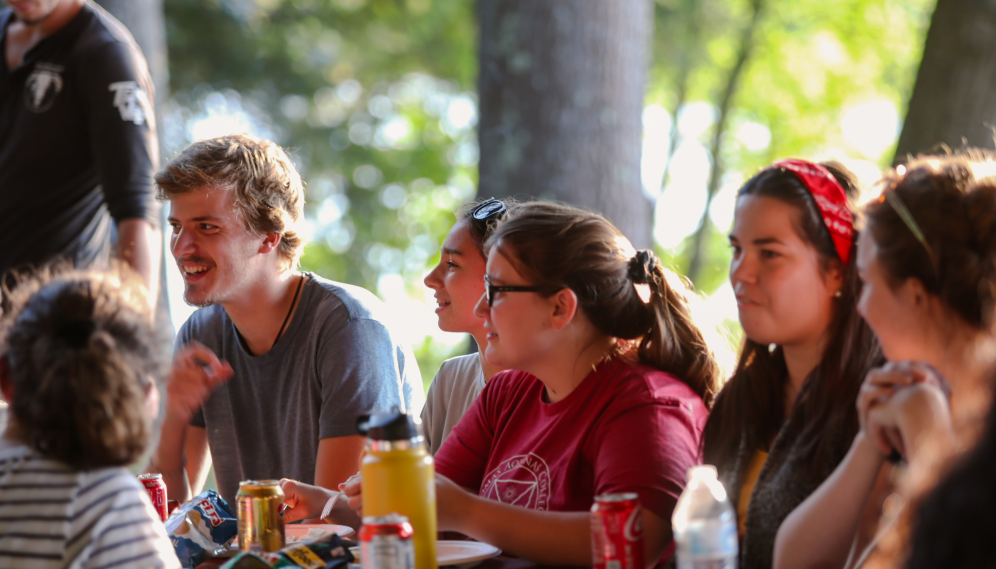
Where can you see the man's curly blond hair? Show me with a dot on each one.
(269, 194)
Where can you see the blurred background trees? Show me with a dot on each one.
(954, 99)
(378, 102)
(561, 95)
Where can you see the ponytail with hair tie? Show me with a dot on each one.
(642, 270)
(627, 296)
(76, 334)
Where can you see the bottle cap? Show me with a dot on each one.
(703, 472)
(393, 425)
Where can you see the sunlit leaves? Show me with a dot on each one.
(374, 99)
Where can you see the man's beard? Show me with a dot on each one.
(203, 304)
(34, 21)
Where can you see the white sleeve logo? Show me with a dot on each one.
(131, 100)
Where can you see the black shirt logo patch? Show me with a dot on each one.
(42, 86)
(132, 101)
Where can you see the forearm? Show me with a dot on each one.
(820, 532)
(926, 423)
(169, 459)
(139, 245)
(547, 538)
(338, 458)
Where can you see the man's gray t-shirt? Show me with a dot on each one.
(337, 360)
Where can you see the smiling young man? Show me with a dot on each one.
(78, 143)
(273, 370)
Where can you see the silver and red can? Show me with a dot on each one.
(617, 532)
(386, 543)
(156, 488)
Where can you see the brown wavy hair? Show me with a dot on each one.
(81, 353)
(953, 201)
(269, 194)
(558, 246)
(751, 407)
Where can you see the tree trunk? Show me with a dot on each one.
(954, 98)
(561, 100)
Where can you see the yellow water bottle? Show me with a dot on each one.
(399, 478)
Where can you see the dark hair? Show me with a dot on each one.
(81, 354)
(269, 195)
(481, 229)
(954, 524)
(752, 403)
(957, 216)
(558, 246)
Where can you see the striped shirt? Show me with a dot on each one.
(52, 517)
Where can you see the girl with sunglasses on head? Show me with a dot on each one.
(786, 417)
(928, 260)
(458, 282)
(606, 397)
(606, 391)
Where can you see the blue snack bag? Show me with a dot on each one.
(200, 526)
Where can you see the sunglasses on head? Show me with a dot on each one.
(488, 209)
(492, 289)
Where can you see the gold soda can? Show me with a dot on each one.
(261, 521)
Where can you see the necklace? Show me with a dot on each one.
(300, 282)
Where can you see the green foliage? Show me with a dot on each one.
(718, 251)
(374, 99)
(811, 62)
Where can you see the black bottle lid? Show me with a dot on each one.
(393, 425)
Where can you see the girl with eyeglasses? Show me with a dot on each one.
(928, 261)
(608, 394)
(606, 391)
(458, 282)
(786, 417)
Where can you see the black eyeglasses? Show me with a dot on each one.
(492, 289)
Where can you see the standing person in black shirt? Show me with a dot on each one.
(77, 139)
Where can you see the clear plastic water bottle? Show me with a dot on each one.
(705, 526)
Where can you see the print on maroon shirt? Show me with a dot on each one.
(522, 480)
(626, 428)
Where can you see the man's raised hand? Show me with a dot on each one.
(196, 372)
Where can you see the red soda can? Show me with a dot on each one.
(386, 543)
(617, 532)
(156, 488)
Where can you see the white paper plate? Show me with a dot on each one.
(304, 532)
(455, 553)
(464, 553)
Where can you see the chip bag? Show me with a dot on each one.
(200, 526)
(323, 553)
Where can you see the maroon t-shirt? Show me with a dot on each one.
(626, 428)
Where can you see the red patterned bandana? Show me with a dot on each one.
(830, 199)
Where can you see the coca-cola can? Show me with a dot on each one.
(386, 543)
(617, 532)
(156, 488)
